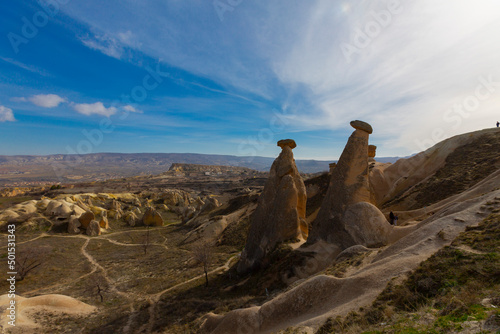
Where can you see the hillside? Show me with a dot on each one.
(437, 273)
(23, 169)
(450, 172)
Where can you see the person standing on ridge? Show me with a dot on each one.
(498, 123)
(391, 218)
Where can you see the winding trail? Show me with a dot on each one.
(133, 245)
(131, 298)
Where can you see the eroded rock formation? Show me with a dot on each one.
(152, 218)
(347, 217)
(74, 225)
(86, 218)
(94, 229)
(372, 151)
(280, 214)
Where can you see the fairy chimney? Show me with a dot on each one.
(280, 214)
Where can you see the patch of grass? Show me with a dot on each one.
(235, 234)
(62, 264)
(340, 268)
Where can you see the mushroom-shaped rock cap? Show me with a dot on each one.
(360, 125)
(287, 142)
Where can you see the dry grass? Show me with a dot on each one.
(62, 265)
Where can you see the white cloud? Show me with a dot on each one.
(105, 43)
(94, 109)
(46, 100)
(6, 114)
(130, 108)
(406, 77)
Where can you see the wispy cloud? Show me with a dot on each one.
(130, 108)
(6, 114)
(46, 100)
(18, 99)
(97, 108)
(106, 44)
(406, 77)
(26, 67)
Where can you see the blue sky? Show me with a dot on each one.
(235, 76)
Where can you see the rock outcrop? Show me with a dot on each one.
(211, 203)
(152, 218)
(175, 197)
(103, 222)
(131, 218)
(372, 151)
(73, 225)
(115, 206)
(86, 218)
(94, 229)
(332, 167)
(186, 213)
(280, 214)
(346, 216)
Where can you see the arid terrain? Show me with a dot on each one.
(50, 169)
(160, 253)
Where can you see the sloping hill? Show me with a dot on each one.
(446, 169)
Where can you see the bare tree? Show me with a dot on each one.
(203, 254)
(27, 261)
(98, 286)
(146, 243)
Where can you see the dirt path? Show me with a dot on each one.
(43, 234)
(130, 298)
(134, 245)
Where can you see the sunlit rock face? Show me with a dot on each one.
(347, 216)
(280, 214)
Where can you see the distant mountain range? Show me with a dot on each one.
(101, 166)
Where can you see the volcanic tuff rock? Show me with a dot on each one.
(152, 218)
(346, 216)
(103, 222)
(131, 218)
(86, 218)
(175, 197)
(210, 204)
(372, 151)
(94, 229)
(73, 225)
(280, 214)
